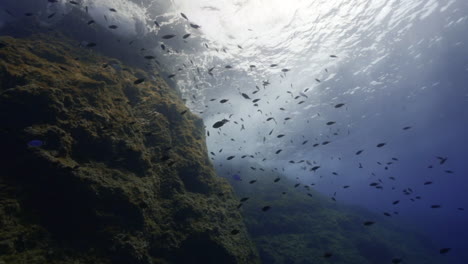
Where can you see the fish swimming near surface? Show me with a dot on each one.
(339, 105)
(220, 123)
(169, 36)
(381, 145)
(113, 27)
(186, 36)
(184, 16)
(195, 26)
(266, 208)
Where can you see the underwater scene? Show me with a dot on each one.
(234, 131)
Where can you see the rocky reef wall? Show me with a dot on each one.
(97, 167)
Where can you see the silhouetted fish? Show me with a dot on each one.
(266, 208)
(194, 26)
(138, 81)
(252, 181)
(330, 123)
(359, 152)
(186, 36)
(169, 36)
(444, 250)
(277, 179)
(90, 22)
(223, 101)
(327, 255)
(112, 10)
(381, 145)
(183, 15)
(230, 157)
(278, 151)
(396, 202)
(220, 123)
(245, 96)
(113, 26)
(368, 223)
(339, 105)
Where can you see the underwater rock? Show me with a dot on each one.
(120, 175)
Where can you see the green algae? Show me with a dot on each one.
(101, 190)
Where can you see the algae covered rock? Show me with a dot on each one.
(99, 168)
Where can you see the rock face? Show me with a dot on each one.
(119, 172)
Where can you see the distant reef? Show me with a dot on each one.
(101, 162)
(303, 226)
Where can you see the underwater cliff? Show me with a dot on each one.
(103, 163)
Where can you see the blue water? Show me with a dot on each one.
(398, 64)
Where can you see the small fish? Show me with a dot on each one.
(359, 152)
(368, 223)
(326, 143)
(91, 22)
(112, 10)
(186, 36)
(28, 14)
(220, 123)
(157, 24)
(333, 56)
(171, 76)
(252, 181)
(305, 142)
(280, 136)
(195, 26)
(315, 168)
(285, 70)
(169, 36)
(339, 105)
(184, 16)
(381, 145)
(442, 160)
(266, 208)
(327, 255)
(256, 100)
(444, 250)
(296, 185)
(330, 123)
(245, 96)
(51, 16)
(235, 232)
(228, 67)
(278, 151)
(36, 143)
(435, 206)
(224, 101)
(406, 128)
(396, 202)
(317, 80)
(138, 81)
(277, 179)
(74, 3)
(230, 157)
(346, 187)
(427, 183)
(387, 214)
(113, 26)
(273, 65)
(91, 44)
